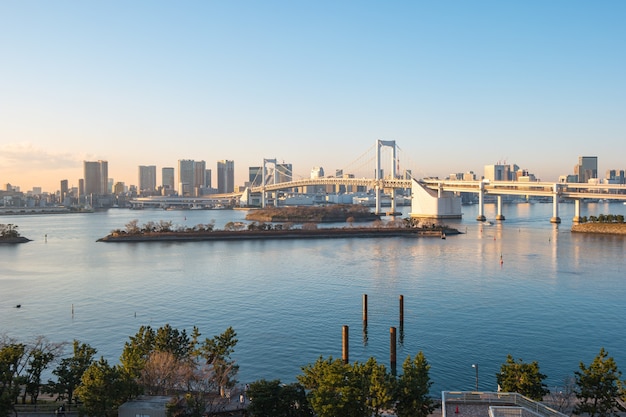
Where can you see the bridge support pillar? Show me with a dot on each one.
(577, 217)
(499, 216)
(555, 205)
(481, 202)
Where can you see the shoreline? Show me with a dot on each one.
(329, 233)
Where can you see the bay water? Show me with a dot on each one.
(523, 287)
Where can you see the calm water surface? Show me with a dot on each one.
(557, 298)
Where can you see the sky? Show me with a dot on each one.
(457, 84)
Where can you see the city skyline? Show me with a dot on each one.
(457, 85)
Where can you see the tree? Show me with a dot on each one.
(378, 386)
(523, 378)
(333, 390)
(413, 388)
(38, 362)
(102, 390)
(163, 373)
(39, 354)
(273, 399)
(598, 387)
(132, 227)
(217, 353)
(71, 370)
(11, 355)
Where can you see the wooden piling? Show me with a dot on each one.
(401, 311)
(345, 348)
(392, 349)
(365, 309)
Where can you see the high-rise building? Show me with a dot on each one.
(147, 178)
(168, 180)
(498, 172)
(199, 174)
(96, 176)
(317, 172)
(587, 168)
(225, 176)
(64, 190)
(208, 178)
(186, 174)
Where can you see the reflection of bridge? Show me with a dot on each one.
(429, 198)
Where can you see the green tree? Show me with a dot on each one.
(523, 378)
(273, 399)
(71, 370)
(217, 352)
(412, 394)
(598, 387)
(11, 355)
(333, 390)
(378, 386)
(102, 390)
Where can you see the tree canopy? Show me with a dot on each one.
(598, 387)
(523, 378)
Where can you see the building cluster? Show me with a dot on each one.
(192, 178)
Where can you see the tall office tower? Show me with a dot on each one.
(199, 174)
(587, 168)
(317, 172)
(64, 190)
(207, 178)
(81, 188)
(96, 176)
(185, 176)
(167, 178)
(225, 176)
(499, 172)
(147, 178)
(119, 188)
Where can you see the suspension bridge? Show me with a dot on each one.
(430, 198)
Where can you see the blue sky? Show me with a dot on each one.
(457, 84)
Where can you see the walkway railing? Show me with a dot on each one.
(497, 398)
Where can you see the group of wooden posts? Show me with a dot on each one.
(392, 335)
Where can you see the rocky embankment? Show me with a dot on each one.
(323, 233)
(600, 228)
(12, 240)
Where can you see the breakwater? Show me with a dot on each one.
(325, 233)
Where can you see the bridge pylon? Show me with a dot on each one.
(264, 180)
(379, 180)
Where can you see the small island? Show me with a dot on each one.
(9, 234)
(608, 224)
(165, 232)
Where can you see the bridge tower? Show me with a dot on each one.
(378, 176)
(264, 181)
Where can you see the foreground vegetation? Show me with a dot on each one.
(199, 375)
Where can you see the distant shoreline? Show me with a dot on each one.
(324, 233)
(600, 228)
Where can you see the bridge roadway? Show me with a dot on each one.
(556, 191)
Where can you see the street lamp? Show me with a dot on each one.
(475, 365)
